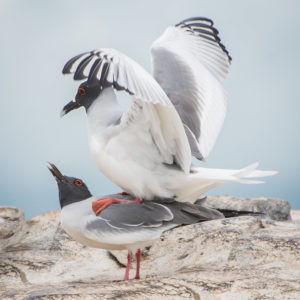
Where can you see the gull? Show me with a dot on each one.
(127, 226)
(175, 114)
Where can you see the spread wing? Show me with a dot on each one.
(108, 67)
(190, 63)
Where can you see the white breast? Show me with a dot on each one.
(127, 154)
(76, 216)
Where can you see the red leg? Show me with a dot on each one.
(138, 262)
(101, 204)
(129, 260)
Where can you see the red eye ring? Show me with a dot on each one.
(78, 182)
(81, 91)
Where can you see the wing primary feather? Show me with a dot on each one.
(208, 38)
(203, 25)
(190, 62)
(205, 32)
(78, 75)
(69, 64)
(191, 24)
(214, 41)
(122, 82)
(104, 72)
(196, 19)
(110, 73)
(92, 78)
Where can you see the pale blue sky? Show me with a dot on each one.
(38, 37)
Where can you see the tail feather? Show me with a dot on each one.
(205, 179)
(245, 171)
(249, 181)
(261, 173)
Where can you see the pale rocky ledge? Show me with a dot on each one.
(246, 257)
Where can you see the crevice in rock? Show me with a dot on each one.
(115, 259)
(7, 236)
(196, 296)
(21, 274)
(191, 270)
(55, 244)
(18, 248)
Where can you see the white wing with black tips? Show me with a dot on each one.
(177, 112)
(108, 67)
(189, 62)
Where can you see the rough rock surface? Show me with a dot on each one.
(237, 258)
(12, 226)
(276, 209)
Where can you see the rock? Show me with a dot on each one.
(276, 209)
(237, 258)
(12, 226)
(295, 215)
(46, 255)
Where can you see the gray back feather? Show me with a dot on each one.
(156, 213)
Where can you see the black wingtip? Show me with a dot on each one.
(230, 213)
(196, 19)
(67, 67)
(69, 64)
(92, 78)
(78, 75)
(204, 28)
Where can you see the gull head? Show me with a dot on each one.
(71, 189)
(86, 94)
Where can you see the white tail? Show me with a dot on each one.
(204, 179)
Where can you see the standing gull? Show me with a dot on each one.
(175, 114)
(130, 225)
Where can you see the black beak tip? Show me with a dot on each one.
(55, 172)
(49, 165)
(51, 168)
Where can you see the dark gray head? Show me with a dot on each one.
(70, 189)
(86, 94)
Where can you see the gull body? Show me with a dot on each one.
(97, 232)
(175, 114)
(128, 226)
(112, 147)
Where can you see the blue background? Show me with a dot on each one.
(38, 37)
